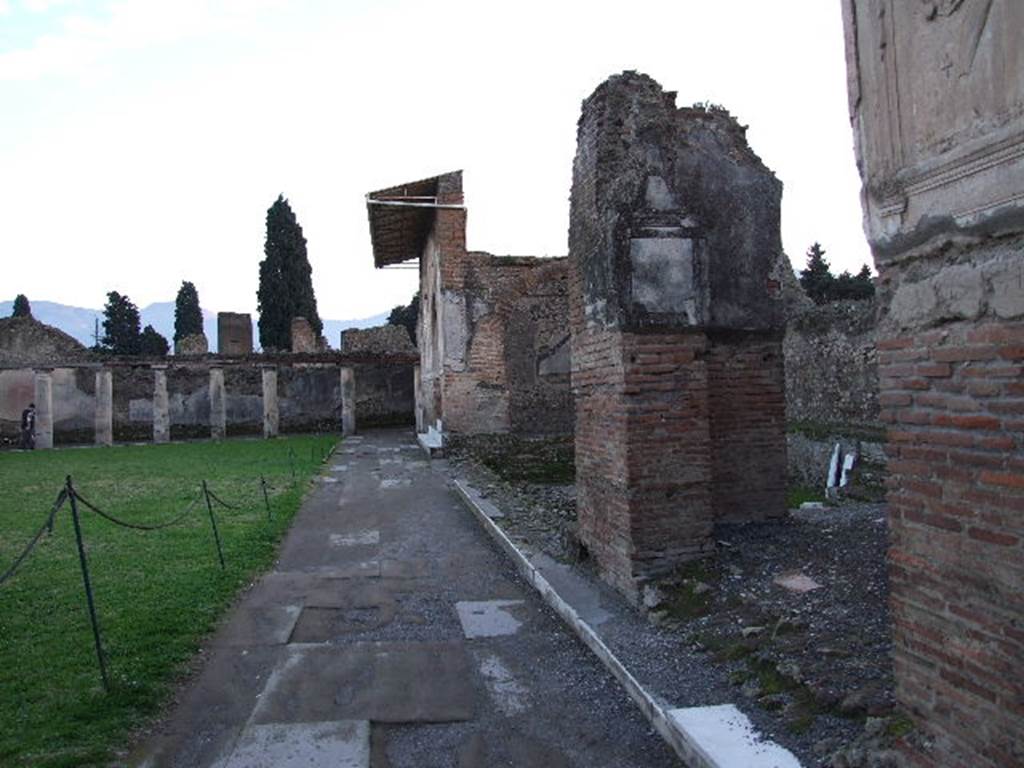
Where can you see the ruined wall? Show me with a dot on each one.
(234, 333)
(538, 351)
(676, 317)
(832, 365)
(936, 101)
(492, 338)
(24, 341)
(381, 340)
(309, 398)
(832, 393)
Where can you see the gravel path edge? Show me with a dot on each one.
(679, 739)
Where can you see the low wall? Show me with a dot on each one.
(309, 396)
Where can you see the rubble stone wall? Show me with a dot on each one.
(832, 392)
(24, 341)
(832, 365)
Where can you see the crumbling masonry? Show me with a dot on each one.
(492, 336)
(677, 325)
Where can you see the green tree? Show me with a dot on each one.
(21, 306)
(407, 315)
(286, 283)
(188, 317)
(152, 344)
(817, 279)
(859, 286)
(121, 325)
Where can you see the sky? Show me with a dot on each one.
(141, 143)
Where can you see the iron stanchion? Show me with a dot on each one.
(213, 524)
(266, 500)
(88, 585)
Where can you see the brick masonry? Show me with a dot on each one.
(492, 337)
(952, 395)
(676, 317)
(941, 163)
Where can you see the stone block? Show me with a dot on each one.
(304, 340)
(192, 345)
(234, 333)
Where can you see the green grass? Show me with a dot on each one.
(157, 592)
(798, 494)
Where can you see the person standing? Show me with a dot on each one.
(28, 427)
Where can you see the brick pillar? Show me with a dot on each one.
(218, 404)
(674, 320)
(44, 407)
(161, 406)
(945, 220)
(348, 401)
(104, 429)
(271, 415)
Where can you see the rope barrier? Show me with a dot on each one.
(135, 526)
(47, 526)
(220, 501)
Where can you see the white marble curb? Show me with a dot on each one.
(691, 753)
(703, 737)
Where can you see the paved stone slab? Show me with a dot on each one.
(271, 625)
(488, 618)
(383, 682)
(341, 744)
(508, 694)
(728, 738)
(355, 538)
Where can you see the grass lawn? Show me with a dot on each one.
(157, 592)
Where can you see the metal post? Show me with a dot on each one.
(88, 585)
(213, 523)
(263, 485)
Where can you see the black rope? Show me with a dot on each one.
(48, 525)
(223, 503)
(135, 526)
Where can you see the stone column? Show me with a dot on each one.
(348, 401)
(271, 415)
(669, 299)
(161, 406)
(417, 388)
(104, 407)
(44, 408)
(218, 404)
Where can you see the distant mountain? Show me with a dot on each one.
(81, 322)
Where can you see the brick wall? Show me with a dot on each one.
(747, 403)
(954, 400)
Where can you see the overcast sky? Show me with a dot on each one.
(141, 143)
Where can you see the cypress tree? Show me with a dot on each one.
(21, 306)
(121, 325)
(286, 284)
(817, 279)
(407, 316)
(188, 318)
(152, 343)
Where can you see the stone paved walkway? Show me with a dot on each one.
(393, 633)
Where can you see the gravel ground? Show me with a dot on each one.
(812, 669)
